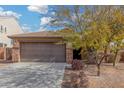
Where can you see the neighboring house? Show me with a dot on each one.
(40, 47)
(8, 26)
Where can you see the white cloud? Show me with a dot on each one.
(53, 13)
(9, 13)
(26, 28)
(45, 20)
(43, 29)
(43, 9)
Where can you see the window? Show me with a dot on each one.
(3, 29)
(12, 42)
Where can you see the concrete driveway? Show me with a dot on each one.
(32, 75)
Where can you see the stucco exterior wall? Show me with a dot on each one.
(8, 26)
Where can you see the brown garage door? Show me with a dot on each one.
(42, 52)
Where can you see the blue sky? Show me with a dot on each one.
(31, 18)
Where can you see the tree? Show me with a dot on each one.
(118, 45)
(73, 18)
(94, 29)
(105, 28)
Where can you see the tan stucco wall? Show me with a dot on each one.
(12, 27)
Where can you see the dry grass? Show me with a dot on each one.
(111, 77)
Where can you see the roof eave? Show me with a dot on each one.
(12, 37)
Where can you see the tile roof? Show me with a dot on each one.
(36, 34)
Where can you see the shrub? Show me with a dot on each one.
(77, 64)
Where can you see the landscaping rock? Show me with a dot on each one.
(74, 79)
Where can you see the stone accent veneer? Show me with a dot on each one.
(69, 54)
(16, 51)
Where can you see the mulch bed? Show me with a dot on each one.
(74, 79)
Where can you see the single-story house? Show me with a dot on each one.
(40, 47)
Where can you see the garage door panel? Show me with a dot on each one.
(42, 52)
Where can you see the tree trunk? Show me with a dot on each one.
(82, 53)
(98, 69)
(98, 65)
(114, 62)
(105, 52)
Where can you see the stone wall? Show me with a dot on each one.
(5, 53)
(1, 53)
(69, 55)
(8, 53)
(16, 51)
